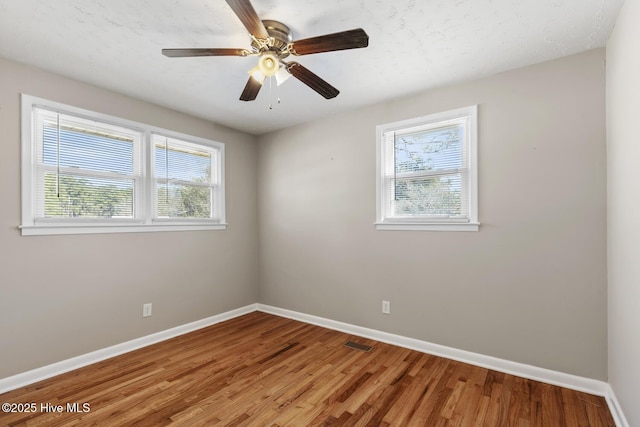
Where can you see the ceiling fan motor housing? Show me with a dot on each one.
(280, 37)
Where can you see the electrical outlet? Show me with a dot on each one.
(386, 307)
(146, 309)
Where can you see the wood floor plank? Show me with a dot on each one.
(264, 370)
(434, 380)
(470, 410)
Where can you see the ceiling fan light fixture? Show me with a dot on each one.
(257, 74)
(282, 75)
(269, 64)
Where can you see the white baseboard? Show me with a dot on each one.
(39, 374)
(548, 376)
(616, 409)
(574, 382)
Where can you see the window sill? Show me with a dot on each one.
(427, 226)
(57, 229)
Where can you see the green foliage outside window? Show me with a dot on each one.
(71, 196)
(188, 201)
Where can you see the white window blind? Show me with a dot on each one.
(427, 170)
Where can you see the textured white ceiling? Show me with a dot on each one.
(414, 45)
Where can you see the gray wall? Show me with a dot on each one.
(623, 152)
(61, 296)
(530, 286)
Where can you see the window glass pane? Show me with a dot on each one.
(176, 164)
(69, 196)
(436, 196)
(429, 150)
(183, 201)
(86, 147)
(180, 162)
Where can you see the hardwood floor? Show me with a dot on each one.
(263, 370)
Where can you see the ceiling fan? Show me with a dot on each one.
(272, 42)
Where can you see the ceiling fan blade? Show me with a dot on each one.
(247, 14)
(312, 80)
(351, 39)
(251, 90)
(181, 53)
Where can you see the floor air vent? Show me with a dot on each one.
(357, 346)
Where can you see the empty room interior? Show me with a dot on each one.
(274, 213)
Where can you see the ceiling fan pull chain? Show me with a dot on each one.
(274, 94)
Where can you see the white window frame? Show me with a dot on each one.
(145, 220)
(384, 219)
